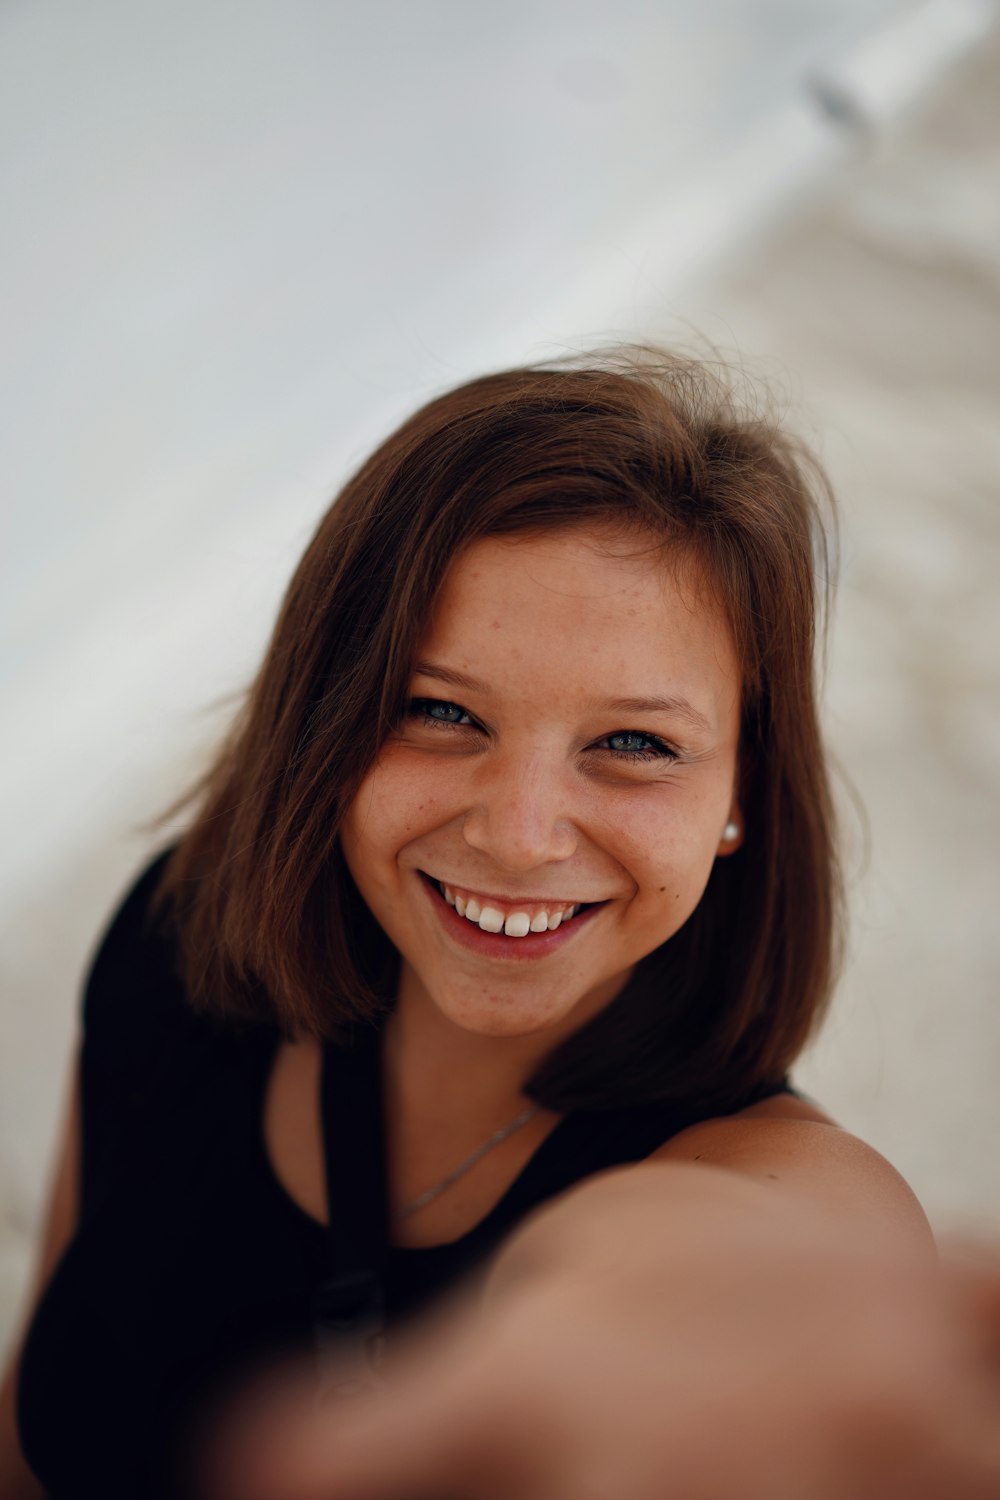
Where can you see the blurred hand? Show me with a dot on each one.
(775, 1372)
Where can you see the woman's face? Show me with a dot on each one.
(571, 739)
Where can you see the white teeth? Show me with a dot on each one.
(517, 925)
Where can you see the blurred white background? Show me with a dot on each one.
(242, 240)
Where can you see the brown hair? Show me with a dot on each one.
(269, 923)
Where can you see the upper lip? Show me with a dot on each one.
(481, 895)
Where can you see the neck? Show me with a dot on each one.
(444, 1077)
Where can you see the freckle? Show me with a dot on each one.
(662, 889)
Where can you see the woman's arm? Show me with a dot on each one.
(17, 1482)
(685, 1328)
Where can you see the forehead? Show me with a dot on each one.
(626, 606)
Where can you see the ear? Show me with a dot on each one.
(732, 834)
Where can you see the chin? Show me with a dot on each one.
(503, 1015)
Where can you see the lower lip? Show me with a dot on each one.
(497, 944)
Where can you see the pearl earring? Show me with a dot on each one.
(731, 830)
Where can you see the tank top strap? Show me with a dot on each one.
(589, 1141)
(349, 1306)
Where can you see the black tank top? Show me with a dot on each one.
(192, 1266)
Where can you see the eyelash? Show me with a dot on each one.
(417, 708)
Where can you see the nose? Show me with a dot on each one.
(522, 816)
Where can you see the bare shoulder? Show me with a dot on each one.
(796, 1144)
(786, 1107)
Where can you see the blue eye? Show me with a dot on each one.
(439, 714)
(422, 709)
(657, 751)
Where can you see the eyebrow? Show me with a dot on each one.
(678, 707)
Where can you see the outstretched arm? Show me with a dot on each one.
(780, 1329)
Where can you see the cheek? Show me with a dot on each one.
(395, 804)
(368, 836)
(668, 850)
(659, 831)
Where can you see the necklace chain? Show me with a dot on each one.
(498, 1135)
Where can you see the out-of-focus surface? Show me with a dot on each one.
(884, 307)
(243, 246)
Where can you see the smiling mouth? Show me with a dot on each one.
(512, 919)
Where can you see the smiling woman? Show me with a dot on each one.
(559, 546)
(516, 868)
(529, 799)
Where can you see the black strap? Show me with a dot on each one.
(349, 1307)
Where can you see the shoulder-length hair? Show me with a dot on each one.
(270, 926)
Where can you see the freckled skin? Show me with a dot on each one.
(528, 799)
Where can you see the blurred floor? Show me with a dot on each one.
(883, 306)
(879, 312)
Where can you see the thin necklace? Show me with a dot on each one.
(477, 1155)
